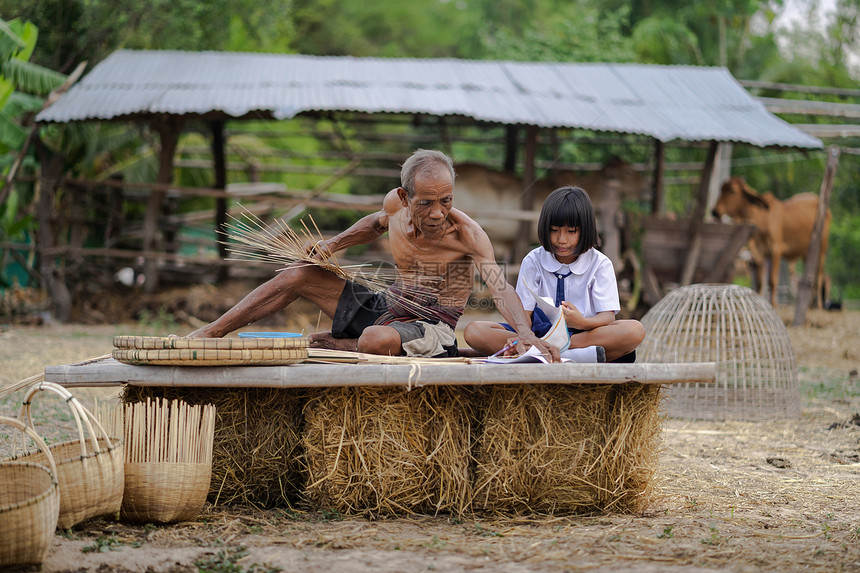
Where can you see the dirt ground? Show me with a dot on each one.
(739, 496)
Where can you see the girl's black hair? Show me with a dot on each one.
(569, 207)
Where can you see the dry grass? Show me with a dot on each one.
(551, 449)
(255, 456)
(718, 503)
(384, 451)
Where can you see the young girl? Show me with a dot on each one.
(568, 269)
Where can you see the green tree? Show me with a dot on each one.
(568, 32)
(78, 30)
(23, 85)
(23, 88)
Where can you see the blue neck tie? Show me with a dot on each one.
(559, 287)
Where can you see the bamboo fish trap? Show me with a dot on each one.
(168, 460)
(740, 331)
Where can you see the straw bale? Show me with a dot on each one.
(380, 451)
(256, 449)
(548, 449)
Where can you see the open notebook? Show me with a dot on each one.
(557, 334)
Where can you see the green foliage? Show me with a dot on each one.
(103, 544)
(226, 561)
(572, 33)
(844, 256)
(739, 34)
(386, 28)
(665, 40)
(18, 78)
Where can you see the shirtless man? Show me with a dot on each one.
(434, 246)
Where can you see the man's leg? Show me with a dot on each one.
(379, 339)
(297, 280)
(487, 337)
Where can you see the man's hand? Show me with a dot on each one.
(548, 350)
(318, 250)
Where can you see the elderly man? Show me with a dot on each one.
(435, 249)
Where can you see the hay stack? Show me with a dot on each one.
(388, 450)
(549, 449)
(256, 449)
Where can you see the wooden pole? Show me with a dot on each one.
(695, 234)
(527, 196)
(220, 166)
(511, 137)
(51, 174)
(658, 205)
(813, 255)
(168, 131)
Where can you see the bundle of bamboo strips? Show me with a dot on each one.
(250, 238)
(168, 460)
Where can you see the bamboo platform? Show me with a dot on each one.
(403, 438)
(110, 372)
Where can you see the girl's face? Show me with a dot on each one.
(564, 241)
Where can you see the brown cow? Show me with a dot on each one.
(784, 229)
(491, 197)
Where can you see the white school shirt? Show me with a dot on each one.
(591, 286)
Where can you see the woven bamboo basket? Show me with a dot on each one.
(173, 351)
(168, 460)
(89, 469)
(740, 331)
(29, 505)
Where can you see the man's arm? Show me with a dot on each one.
(504, 295)
(365, 230)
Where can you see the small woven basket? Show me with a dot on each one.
(165, 492)
(29, 505)
(168, 460)
(89, 469)
(173, 351)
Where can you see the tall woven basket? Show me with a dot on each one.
(168, 460)
(740, 331)
(29, 505)
(89, 469)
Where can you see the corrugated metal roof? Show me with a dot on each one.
(664, 102)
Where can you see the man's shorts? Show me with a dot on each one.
(359, 308)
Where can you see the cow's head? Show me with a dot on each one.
(629, 182)
(616, 169)
(735, 198)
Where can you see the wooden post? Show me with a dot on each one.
(813, 255)
(511, 136)
(722, 171)
(168, 131)
(51, 174)
(695, 234)
(220, 166)
(526, 198)
(658, 200)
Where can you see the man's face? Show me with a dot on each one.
(431, 203)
